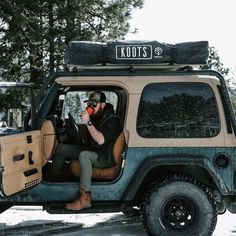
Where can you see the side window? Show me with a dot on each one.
(178, 110)
(74, 103)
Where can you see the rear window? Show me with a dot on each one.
(178, 110)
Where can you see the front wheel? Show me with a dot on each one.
(177, 207)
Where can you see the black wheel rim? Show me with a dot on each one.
(178, 213)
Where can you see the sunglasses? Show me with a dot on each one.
(92, 104)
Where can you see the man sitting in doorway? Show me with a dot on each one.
(104, 127)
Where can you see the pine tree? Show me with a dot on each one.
(215, 63)
(34, 33)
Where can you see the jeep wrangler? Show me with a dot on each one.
(175, 157)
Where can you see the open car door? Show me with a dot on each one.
(21, 149)
(21, 163)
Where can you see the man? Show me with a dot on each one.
(104, 127)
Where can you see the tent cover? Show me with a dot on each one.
(135, 53)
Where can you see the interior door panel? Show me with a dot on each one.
(21, 161)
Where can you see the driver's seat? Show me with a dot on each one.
(105, 173)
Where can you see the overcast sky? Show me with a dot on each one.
(175, 21)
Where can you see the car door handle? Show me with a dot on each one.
(19, 157)
(31, 161)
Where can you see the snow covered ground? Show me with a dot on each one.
(226, 225)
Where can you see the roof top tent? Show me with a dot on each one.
(85, 54)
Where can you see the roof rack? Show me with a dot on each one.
(134, 67)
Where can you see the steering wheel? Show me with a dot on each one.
(75, 129)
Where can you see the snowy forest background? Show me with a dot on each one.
(34, 34)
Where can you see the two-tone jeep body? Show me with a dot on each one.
(175, 158)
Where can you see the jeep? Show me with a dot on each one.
(175, 157)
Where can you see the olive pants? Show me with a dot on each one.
(88, 160)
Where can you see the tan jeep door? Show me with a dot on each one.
(21, 161)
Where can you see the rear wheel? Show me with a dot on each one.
(179, 206)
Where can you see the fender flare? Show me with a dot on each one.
(171, 160)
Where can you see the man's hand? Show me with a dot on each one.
(85, 116)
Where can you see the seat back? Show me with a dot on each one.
(119, 147)
(106, 173)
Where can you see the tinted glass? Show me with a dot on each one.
(178, 110)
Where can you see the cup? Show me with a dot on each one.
(89, 110)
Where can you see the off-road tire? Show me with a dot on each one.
(179, 206)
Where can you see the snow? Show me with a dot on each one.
(226, 224)
(34, 215)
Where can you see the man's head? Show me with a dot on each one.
(97, 100)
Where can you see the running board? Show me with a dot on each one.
(98, 207)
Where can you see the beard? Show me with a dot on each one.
(99, 112)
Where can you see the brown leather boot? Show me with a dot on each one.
(84, 201)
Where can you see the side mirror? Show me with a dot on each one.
(62, 97)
